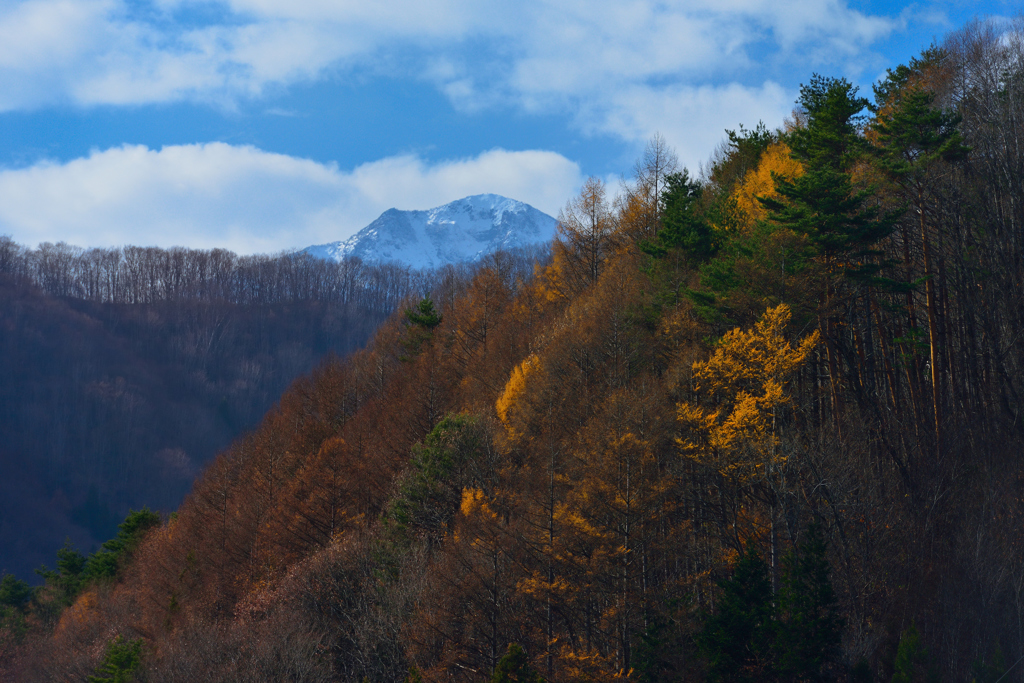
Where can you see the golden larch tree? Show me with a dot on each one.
(743, 387)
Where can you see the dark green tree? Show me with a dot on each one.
(701, 228)
(912, 663)
(810, 628)
(823, 204)
(74, 570)
(742, 153)
(684, 226)
(685, 238)
(65, 581)
(830, 138)
(14, 592)
(837, 228)
(421, 322)
(661, 652)
(793, 635)
(15, 599)
(515, 666)
(738, 639)
(424, 315)
(120, 661)
(450, 457)
(105, 562)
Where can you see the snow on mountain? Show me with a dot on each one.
(463, 230)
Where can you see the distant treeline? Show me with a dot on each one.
(146, 275)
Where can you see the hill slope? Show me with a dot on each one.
(676, 453)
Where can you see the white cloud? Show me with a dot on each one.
(566, 54)
(692, 119)
(538, 55)
(248, 200)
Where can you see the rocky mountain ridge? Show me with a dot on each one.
(460, 231)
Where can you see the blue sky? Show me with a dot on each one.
(260, 125)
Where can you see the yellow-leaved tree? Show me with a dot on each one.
(760, 182)
(740, 391)
(513, 392)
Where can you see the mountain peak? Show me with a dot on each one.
(463, 230)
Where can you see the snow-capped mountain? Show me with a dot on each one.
(463, 230)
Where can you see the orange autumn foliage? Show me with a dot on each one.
(746, 381)
(776, 162)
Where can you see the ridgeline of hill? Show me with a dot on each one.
(759, 426)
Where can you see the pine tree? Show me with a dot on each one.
(15, 600)
(120, 661)
(421, 323)
(822, 203)
(738, 639)
(14, 592)
(105, 562)
(424, 315)
(448, 459)
(683, 225)
(911, 664)
(842, 229)
(514, 666)
(662, 649)
(793, 635)
(810, 628)
(65, 582)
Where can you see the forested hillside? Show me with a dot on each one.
(125, 371)
(761, 424)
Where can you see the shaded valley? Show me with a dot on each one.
(115, 398)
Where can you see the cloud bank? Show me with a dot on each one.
(562, 56)
(249, 200)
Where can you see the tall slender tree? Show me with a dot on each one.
(916, 140)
